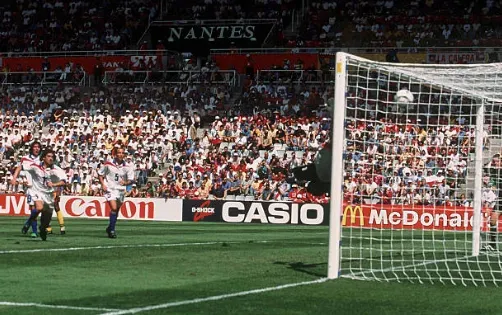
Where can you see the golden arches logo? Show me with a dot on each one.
(355, 213)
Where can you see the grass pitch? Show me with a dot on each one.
(202, 268)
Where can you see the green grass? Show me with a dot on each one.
(243, 257)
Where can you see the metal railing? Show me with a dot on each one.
(213, 22)
(96, 53)
(352, 50)
(43, 78)
(295, 76)
(170, 77)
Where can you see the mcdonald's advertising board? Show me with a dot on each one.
(410, 217)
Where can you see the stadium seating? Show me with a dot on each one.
(399, 24)
(34, 26)
(160, 126)
(177, 125)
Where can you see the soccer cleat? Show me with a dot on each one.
(25, 229)
(49, 229)
(33, 235)
(111, 234)
(62, 230)
(43, 234)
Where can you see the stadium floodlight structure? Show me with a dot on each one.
(427, 227)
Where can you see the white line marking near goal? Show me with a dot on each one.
(213, 298)
(69, 249)
(64, 307)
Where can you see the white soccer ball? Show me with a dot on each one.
(404, 96)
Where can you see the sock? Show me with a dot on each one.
(493, 234)
(60, 218)
(45, 220)
(33, 217)
(34, 227)
(113, 220)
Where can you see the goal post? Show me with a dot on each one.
(409, 197)
(336, 196)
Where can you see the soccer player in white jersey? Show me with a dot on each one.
(114, 176)
(58, 172)
(44, 180)
(32, 157)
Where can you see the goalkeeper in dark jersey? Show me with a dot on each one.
(494, 171)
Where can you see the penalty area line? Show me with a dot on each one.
(69, 249)
(213, 298)
(63, 307)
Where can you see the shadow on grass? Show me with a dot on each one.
(310, 269)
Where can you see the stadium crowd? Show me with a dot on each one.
(43, 26)
(400, 24)
(244, 151)
(38, 25)
(198, 140)
(247, 152)
(86, 25)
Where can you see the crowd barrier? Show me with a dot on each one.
(394, 217)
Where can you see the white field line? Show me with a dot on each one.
(64, 307)
(69, 249)
(213, 298)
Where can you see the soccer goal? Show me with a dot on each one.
(414, 197)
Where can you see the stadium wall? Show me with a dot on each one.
(109, 63)
(396, 217)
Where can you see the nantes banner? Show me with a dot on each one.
(199, 39)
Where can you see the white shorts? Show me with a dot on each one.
(113, 194)
(29, 197)
(47, 198)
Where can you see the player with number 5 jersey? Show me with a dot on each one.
(115, 176)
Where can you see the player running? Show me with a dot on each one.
(44, 180)
(32, 157)
(114, 176)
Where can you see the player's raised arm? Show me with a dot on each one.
(18, 169)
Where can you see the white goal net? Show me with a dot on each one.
(418, 147)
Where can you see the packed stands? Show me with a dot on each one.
(168, 142)
(42, 26)
(189, 141)
(400, 24)
(204, 133)
(90, 25)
